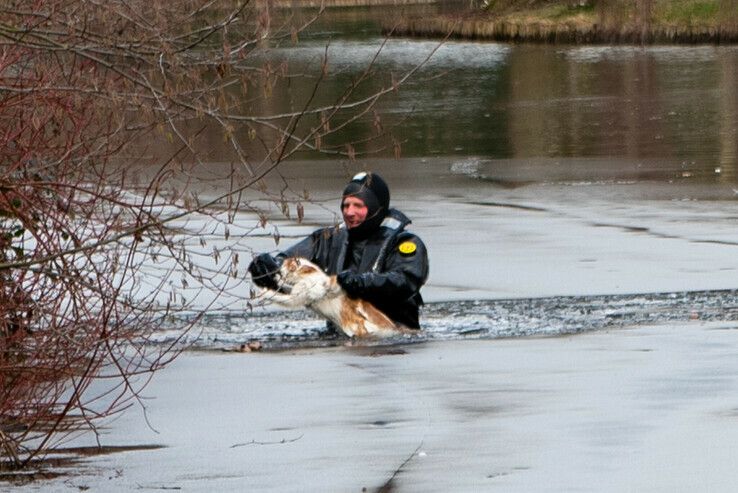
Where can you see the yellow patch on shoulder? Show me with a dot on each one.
(407, 247)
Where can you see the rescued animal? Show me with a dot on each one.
(304, 285)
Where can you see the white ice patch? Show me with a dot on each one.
(468, 167)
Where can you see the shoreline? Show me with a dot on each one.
(484, 27)
(331, 4)
(556, 22)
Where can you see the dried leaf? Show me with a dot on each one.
(245, 85)
(377, 123)
(227, 132)
(300, 212)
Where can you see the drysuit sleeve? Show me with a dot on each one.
(317, 247)
(264, 267)
(305, 248)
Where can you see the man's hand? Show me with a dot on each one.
(262, 269)
(351, 282)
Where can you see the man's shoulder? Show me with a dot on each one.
(329, 232)
(407, 236)
(318, 240)
(396, 220)
(396, 226)
(408, 244)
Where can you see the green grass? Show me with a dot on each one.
(593, 21)
(557, 11)
(682, 12)
(688, 11)
(565, 11)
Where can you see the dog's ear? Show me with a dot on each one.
(306, 269)
(332, 285)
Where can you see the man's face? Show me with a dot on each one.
(354, 211)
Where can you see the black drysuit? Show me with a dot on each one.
(393, 263)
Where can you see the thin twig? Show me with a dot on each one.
(255, 442)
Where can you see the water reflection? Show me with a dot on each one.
(618, 104)
(532, 101)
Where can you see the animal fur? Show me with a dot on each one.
(309, 287)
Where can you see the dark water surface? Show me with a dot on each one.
(518, 101)
(477, 319)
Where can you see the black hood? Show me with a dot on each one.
(374, 192)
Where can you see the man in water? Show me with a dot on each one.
(373, 256)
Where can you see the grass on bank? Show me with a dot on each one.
(644, 21)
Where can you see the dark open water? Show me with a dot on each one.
(476, 319)
(530, 101)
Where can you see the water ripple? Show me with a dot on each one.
(476, 319)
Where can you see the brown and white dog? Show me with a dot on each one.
(309, 287)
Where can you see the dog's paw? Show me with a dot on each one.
(262, 293)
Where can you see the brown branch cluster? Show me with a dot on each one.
(80, 83)
(111, 113)
(66, 315)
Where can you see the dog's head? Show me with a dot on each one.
(294, 269)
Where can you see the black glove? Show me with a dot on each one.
(351, 282)
(263, 269)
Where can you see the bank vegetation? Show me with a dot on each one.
(583, 21)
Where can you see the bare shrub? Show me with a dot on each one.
(95, 252)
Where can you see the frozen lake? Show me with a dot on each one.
(529, 246)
